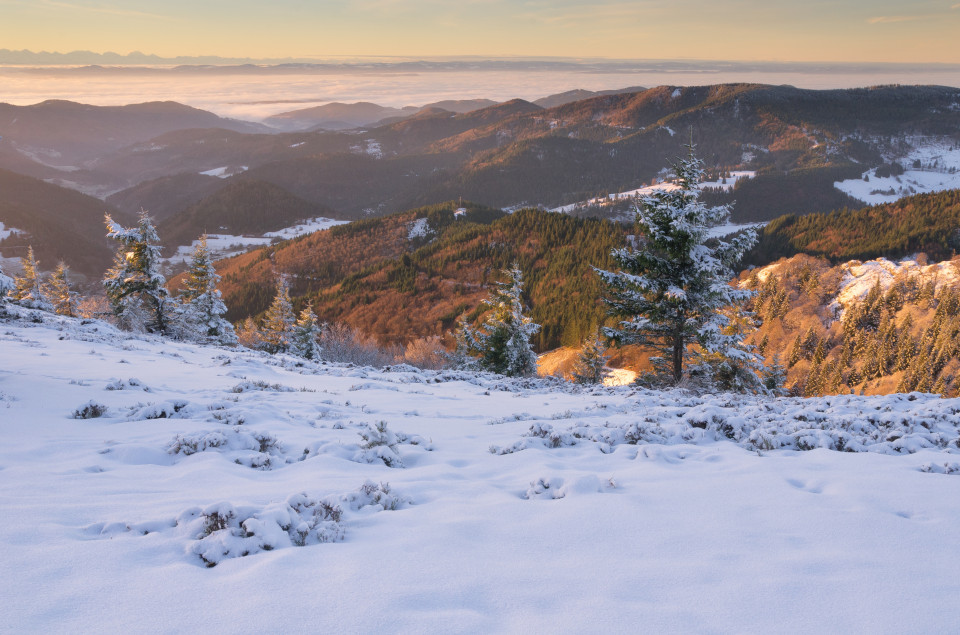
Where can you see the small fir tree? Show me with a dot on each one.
(671, 289)
(134, 285)
(591, 364)
(306, 332)
(203, 308)
(6, 285)
(58, 289)
(249, 335)
(28, 286)
(277, 329)
(503, 340)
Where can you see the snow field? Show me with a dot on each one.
(928, 178)
(105, 520)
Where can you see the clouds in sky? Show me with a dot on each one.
(838, 30)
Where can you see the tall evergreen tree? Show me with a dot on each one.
(277, 329)
(670, 290)
(203, 308)
(134, 285)
(28, 285)
(58, 289)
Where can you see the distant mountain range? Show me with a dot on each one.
(166, 157)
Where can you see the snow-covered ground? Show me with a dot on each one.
(223, 245)
(937, 158)
(511, 506)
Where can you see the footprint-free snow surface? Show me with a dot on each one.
(154, 486)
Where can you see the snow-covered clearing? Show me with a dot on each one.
(223, 245)
(939, 169)
(728, 183)
(419, 228)
(7, 232)
(450, 502)
(649, 189)
(225, 172)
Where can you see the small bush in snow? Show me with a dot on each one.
(90, 410)
(174, 409)
(222, 531)
(247, 386)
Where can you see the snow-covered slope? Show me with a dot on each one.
(507, 506)
(223, 245)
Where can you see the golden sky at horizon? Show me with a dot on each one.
(924, 31)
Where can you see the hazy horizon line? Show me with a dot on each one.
(27, 57)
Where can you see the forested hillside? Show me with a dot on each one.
(61, 224)
(928, 223)
(413, 274)
(875, 327)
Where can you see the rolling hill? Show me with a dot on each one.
(60, 224)
(238, 208)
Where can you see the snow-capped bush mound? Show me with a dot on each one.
(380, 445)
(247, 386)
(90, 410)
(258, 450)
(941, 468)
(222, 531)
(131, 384)
(173, 409)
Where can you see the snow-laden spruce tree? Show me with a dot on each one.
(503, 340)
(64, 300)
(304, 339)
(277, 328)
(591, 364)
(134, 284)
(28, 285)
(203, 308)
(670, 289)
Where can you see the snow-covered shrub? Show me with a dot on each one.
(173, 409)
(844, 424)
(222, 531)
(133, 382)
(380, 445)
(257, 450)
(545, 488)
(938, 468)
(344, 344)
(247, 386)
(90, 410)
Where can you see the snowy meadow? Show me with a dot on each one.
(158, 486)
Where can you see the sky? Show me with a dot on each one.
(923, 31)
